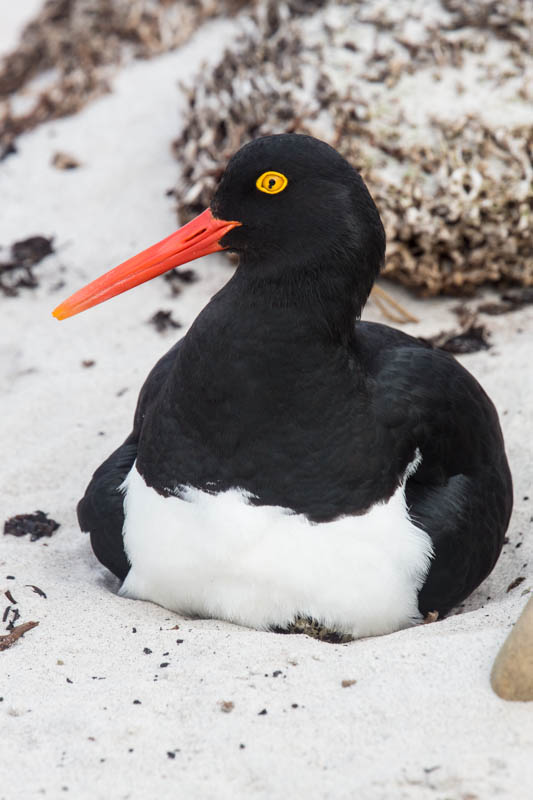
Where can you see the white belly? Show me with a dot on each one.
(217, 556)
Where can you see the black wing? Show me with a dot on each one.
(461, 495)
(101, 510)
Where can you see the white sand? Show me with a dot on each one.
(420, 721)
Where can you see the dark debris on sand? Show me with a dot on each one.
(177, 277)
(511, 300)
(64, 161)
(36, 590)
(37, 525)
(312, 628)
(17, 272)
(515, 583)
(163, 321)
(472, 338)
(15, 616)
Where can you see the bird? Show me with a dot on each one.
(290, 463)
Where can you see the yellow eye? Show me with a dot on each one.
(271, 182)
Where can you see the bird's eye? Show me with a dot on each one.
(271, 182)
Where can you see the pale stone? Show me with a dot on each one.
(512, 673)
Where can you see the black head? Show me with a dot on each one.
(299, 216)
(322, 223)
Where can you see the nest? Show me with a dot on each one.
(81, 41)
(453, 183)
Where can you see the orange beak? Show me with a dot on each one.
(197, 238)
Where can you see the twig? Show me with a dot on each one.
(10, 638)
(380, 295)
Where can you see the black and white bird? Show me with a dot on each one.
(288, 460)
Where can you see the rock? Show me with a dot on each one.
(512, 673)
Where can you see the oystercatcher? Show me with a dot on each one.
(288, 461)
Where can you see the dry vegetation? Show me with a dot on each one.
(453, 180)
(81, 42)
(455, 192)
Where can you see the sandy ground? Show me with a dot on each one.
(110, 698)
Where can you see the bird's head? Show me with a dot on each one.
(289, 205)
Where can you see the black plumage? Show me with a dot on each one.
(279, 389)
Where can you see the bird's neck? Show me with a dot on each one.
(267, 337)
(315, 302)
(254, 350)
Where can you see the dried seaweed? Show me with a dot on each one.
(37, 525)
(177, 277)
(456, 199)
(515, 583)
(511, 300)
(15, 616)
(312, 628)
(163, 321)
(505, 19)
(17, 273)
(475, 226)
(82, 42)
(36, 590)
(471, 339)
